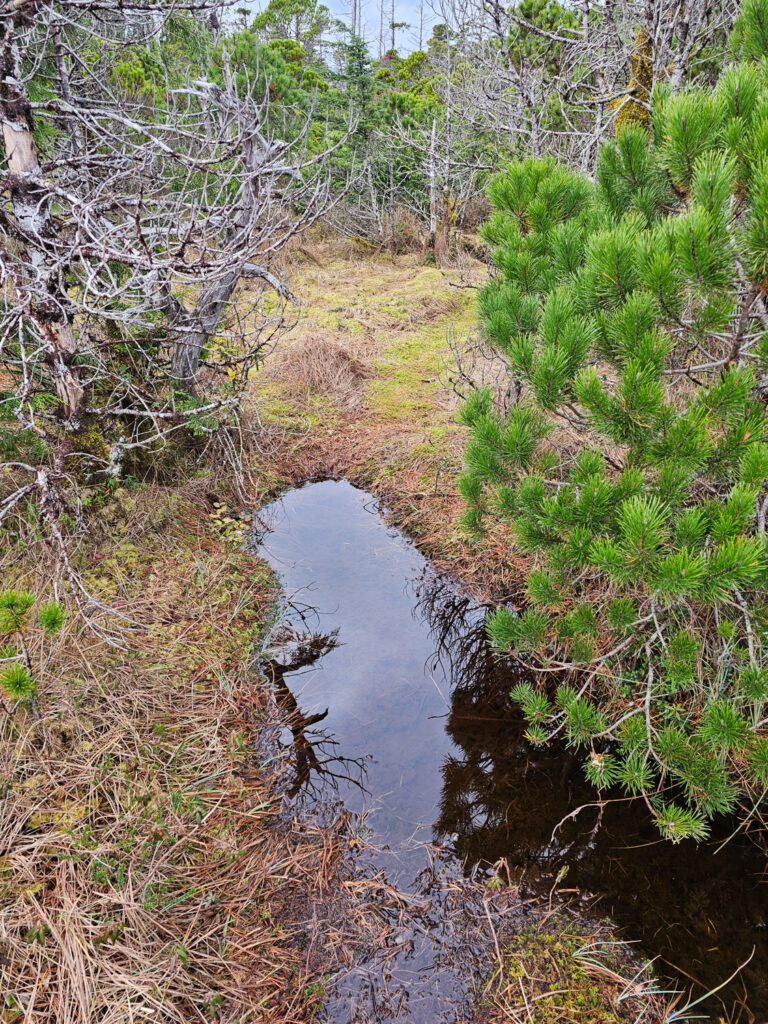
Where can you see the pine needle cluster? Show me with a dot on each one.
(635, 465)
(17, 681)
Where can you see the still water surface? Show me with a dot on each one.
(418, 712)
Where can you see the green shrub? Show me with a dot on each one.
(17, 681)
(635, 467)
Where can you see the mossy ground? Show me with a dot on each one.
(561, 971)
(391, 312)
(401, 439)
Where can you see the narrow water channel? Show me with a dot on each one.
(409, 722)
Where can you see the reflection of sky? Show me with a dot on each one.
(384, 695)
(419, 15)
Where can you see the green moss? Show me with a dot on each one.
(93, 450)
(551, 966)
(275, 409)
(395, 310)
(634, 109)
(393, 399)
(408, 384)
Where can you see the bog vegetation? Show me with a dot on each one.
(604, 166)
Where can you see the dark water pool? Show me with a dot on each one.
(421, 738)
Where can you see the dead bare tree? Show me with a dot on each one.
(503, 84)
(141, 230)
(546, 90)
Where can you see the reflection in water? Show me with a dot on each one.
(317, 761)
(405, 686)
(375, 696)
(334, 553)
(701, 913)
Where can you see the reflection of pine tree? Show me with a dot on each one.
(501, 799)
(635, 466)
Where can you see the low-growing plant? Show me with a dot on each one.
(17, 680)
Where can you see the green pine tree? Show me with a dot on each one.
(634, 468)
(17, 681)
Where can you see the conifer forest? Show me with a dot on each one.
(383, 510)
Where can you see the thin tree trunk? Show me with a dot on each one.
(432, 187)
(41, 293)
(392, 234)
(192, 329)
(195, 329)
(66, 93)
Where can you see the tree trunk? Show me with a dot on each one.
(193, 330)
(432, 187)
(40, 292)
(392, 208)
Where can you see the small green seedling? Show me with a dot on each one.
(17, 681)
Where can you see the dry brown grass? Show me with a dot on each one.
(436, 307)
(145, 872)
(323, 367)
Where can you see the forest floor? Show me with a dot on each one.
(147, 869)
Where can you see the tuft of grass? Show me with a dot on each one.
(323, 367)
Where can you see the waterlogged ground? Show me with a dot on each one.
(406, 718)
